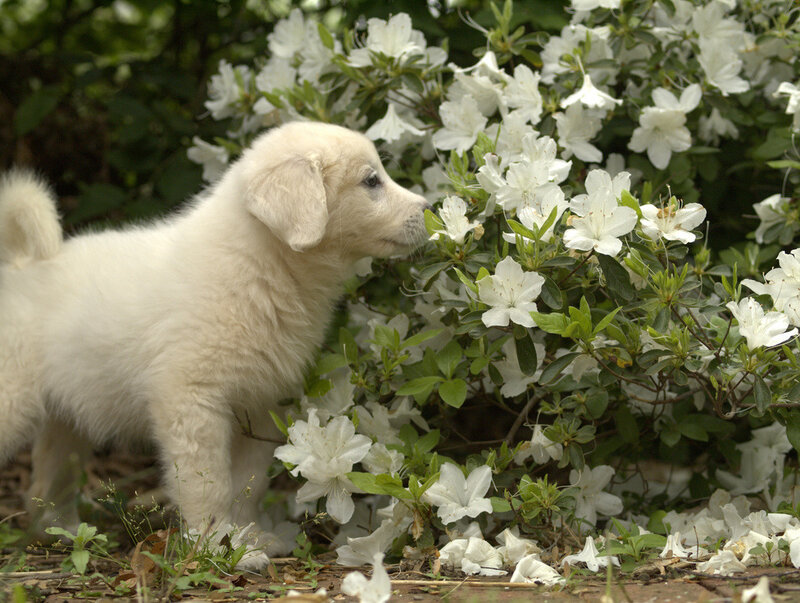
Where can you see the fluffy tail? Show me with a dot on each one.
(29, 226)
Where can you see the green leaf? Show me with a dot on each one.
(670, 435)
(419, 385)
(784, 163)
(557, 367)
(793, 429)
(551, 294)
(57, 531)
(617, 278)
(520, 229)
(379, 484)
(329, 363)
(325, 36)
(427, 442)
(279, 423)
(449, 358)
(554, 322)
(761, 394)
(349, 345)
(432, 222)
(628, 200)
(80, 559)
(500, 505)
(453, 392)
(605, 321)
(627, 426)
(419, 338)
(526, 354)
(693, 430)
(466, 280)
(35, 108)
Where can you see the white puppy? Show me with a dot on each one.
(173, 332)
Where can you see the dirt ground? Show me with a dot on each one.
(44, 579)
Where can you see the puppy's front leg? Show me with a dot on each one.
(193, 431)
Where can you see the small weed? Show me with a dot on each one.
(85, 542)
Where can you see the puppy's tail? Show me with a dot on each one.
(29, 226)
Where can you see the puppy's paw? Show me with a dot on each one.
(253, 561)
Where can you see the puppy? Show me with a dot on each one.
(173, 332)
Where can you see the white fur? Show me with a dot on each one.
(29, 226)
(173, 332)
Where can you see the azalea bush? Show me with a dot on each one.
(572, 359)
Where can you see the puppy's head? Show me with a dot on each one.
(317, 185)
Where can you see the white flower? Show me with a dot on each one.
(662, 129)
(213, 158)
(672, 224)
(378, 589)
(394, 38)
(324, 455)
(758, 593)
(589, 556)
(783, 285)
(335, 402)
(547, 198)
(482, 82)
(531, 570)
(451, 554)
(540, 447)
(770, 211)
(514, 380)
(601, 220)
(723, 563)
(722, 66)
(392, 127)
(289, 35)
(523, 181)
(513, 548)
(793, 538)
(714, 126)
(317, 59)
(457, 496)
(276, 75)
(589, 497)
(543, 149)
(490, 174)
(594, 46)
(593, 4)
(454, 216)
(462, 122)
(591, 96)
(757, 328)
(223, 90)
(380, 459)
(482, 558)
(510, 293)
(522, 93)
(362, 550)
(793, 106)
(576, 127)
(673, 547)
(762, 461)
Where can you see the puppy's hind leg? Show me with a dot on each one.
(59, 455)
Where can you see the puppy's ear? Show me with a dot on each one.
(290, 199)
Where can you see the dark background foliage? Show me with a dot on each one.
(103, 97)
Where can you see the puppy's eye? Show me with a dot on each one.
(371, 181)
